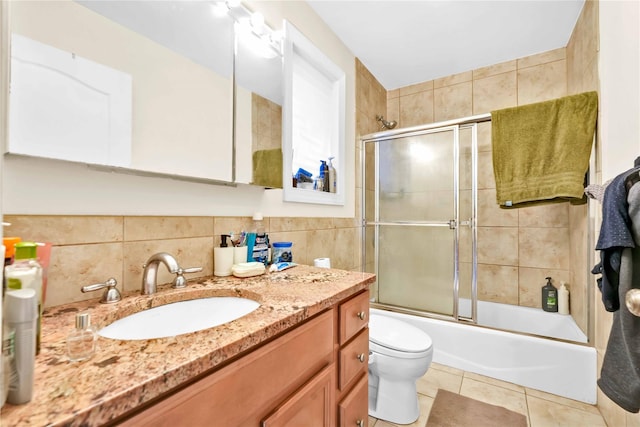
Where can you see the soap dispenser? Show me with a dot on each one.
(223, 258)
(549, 297)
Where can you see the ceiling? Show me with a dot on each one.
(407, 42)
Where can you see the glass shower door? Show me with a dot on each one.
(411, 213)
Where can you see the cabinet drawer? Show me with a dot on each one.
(354, 315)
(354, 358)
(354, 408)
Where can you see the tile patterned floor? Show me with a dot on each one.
(541, 409)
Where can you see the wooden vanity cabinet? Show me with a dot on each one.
(353, 361)
(294, 380)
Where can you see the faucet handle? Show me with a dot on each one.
(111, 293)
(180, 281)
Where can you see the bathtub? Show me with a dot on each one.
(525, 319)
(561, 368)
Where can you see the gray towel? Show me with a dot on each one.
(620, 375)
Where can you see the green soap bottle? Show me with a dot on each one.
(549, 297)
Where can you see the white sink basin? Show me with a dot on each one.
(179, 318)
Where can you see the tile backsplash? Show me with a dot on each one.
(90, 249)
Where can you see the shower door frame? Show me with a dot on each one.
(451, 125)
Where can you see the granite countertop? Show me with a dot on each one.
(122, 375)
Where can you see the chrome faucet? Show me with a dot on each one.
(150, 274)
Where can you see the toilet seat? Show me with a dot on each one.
(397, 338)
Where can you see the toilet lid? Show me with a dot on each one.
(398, 335)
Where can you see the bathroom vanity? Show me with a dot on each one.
(299, 359)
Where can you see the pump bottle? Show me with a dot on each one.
(332, 176)
(549, 297)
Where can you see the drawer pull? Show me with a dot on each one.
(361, 357)
(360, 423)
(362, 315)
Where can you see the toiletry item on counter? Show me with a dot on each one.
(8, 347)
(258, 242)
(282, 252)
(563, 299)
(322, 262)
(81, 341)
(239, 254)
(248, 269)
(223, 258)
(332, 176)
(43, 251)
(9, 256)
(26, 273)
(549, 297)
(6, 351)
(21, 314)
(279, 266)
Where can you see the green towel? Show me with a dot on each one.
(541, 151)
(267, 168)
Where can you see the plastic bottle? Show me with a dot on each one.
(9, 256)
(6, 343)
(81, 341)
(26, 273)
(563, 299)
(326, 187)
(22, 316)
(332, 176)
(549, 297)
(321, 181)
(223, 258)
(259, 252)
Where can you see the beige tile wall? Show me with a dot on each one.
(90, 249)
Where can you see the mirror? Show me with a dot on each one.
(145, 85)
(314, 123)
(258, 101)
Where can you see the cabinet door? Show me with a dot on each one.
(310, 406)
(354, 408)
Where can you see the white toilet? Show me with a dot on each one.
(399, 354)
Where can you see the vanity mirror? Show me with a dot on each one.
(139, 85)
(314, 123)
(258, 100)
